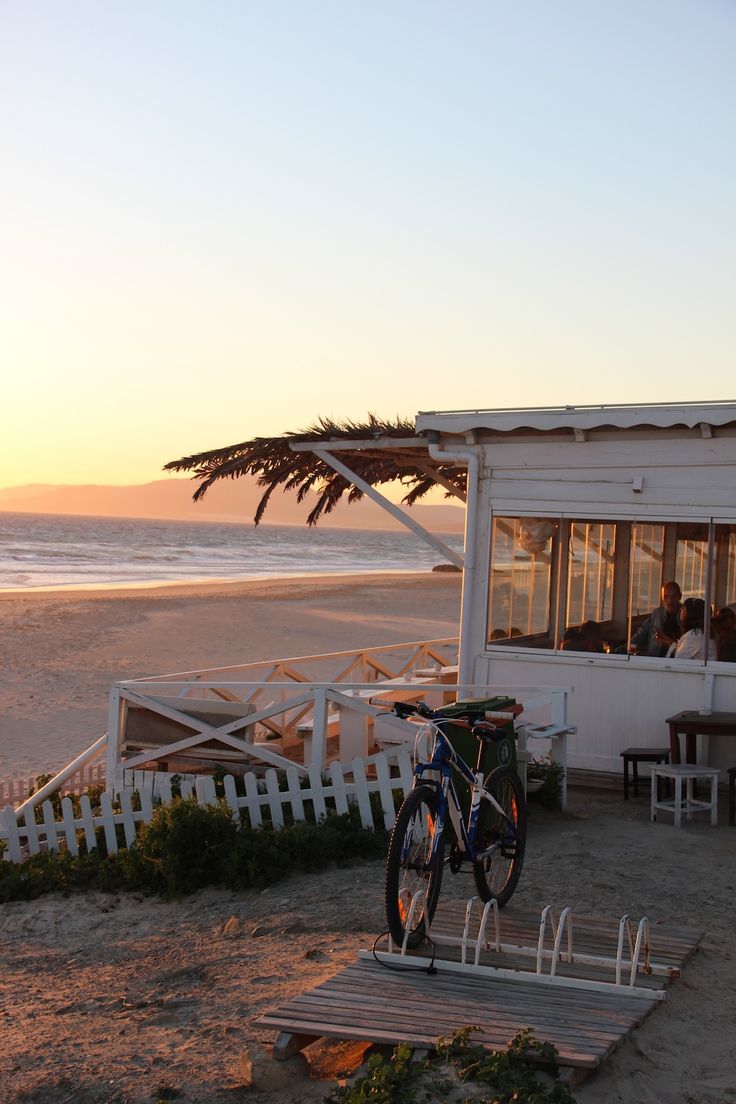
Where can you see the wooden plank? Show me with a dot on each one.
(126, 805)
(572, 1040)
(449, 1019)
(108, 822)
(424, 1039)
(88, 822)
(11, 834)
(557, 1001)
(355, 978)
(70, 832)
(444, 1023)
(535, 1004)
(339, 792)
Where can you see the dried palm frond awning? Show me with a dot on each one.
(385, 451)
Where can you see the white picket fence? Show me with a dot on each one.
(15, 790)
(263, 800)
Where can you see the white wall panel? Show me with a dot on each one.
(616, 704)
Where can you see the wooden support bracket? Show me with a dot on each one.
(289, 1043)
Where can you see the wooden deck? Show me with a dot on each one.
(369, 1002)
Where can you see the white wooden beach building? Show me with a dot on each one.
(628, 497)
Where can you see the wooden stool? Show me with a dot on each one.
(640, 755)
(687, 773)
(732, 796)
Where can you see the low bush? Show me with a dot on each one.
(550, 772)
(187, 846)
(460, 1067)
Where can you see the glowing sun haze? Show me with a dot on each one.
(222, 220)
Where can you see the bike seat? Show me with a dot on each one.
(488, 732)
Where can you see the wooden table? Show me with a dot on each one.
(690, 723)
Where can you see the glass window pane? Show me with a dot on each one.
(723, 623)
(691, 559)
(725, 581)
(521, 563)
(591, 561)
(647, 557)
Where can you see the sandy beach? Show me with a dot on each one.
(61, 651)
(120, 999)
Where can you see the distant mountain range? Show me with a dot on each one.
(232, 501)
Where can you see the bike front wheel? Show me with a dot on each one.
(503, 837)
(414, 866)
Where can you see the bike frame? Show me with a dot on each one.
(445, 760)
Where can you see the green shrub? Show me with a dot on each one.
(187, 846)
(511, 1076)
(551, 773)
(50, 872)
(184, 847)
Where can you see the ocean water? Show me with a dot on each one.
(45, 550)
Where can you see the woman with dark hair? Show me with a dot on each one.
(691, 644)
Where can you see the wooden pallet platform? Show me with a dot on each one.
(368, 1002)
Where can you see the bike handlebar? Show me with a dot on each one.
(404, 710)
(410, 709)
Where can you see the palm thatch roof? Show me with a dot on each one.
(275, 465)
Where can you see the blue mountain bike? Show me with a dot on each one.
(430, 818)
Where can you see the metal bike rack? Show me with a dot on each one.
(632, 958)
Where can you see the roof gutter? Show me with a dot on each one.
(471, 458)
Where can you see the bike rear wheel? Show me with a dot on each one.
(412, 866)
(497, 874)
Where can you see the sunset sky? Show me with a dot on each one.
(224, 219)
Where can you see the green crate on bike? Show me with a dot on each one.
(496, 753)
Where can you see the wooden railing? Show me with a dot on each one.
(302, 712)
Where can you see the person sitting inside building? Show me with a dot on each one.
(691, 644)
(661, 629)
(724, 626)
(590, 634)
(582, 638)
